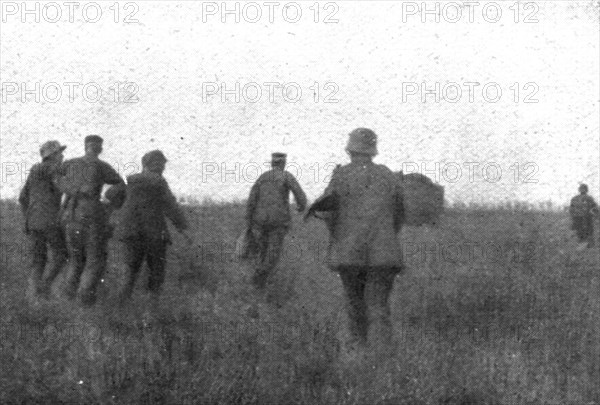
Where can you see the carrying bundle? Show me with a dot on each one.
(423, 199)
(246, 245)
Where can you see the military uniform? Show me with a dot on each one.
(40, 202)
(268, 215)
(365, 214)
(86, 222)
(142, 227)
(582, 208)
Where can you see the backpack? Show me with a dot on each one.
(423, 199)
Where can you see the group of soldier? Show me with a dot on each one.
(64, 214)
(362, 207)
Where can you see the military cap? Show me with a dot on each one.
(152, 157)
(51, 147)
(93, 139)
(362, 140)
(277, 157)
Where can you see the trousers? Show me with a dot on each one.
(137, 250)
(270, 245)
(584, 228)
(367, 291)
(42, 241)
(87, 246)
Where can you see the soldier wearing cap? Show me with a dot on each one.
(142, 225)
(85, 218)
(268, 214)
(40, 203)
(364, 204)
(582, 210)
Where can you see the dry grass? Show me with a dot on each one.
(516, 324)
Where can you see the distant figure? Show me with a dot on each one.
(363, 202)
(86, 218)
(582, 210)
(143, 228)
(268, 214)
(40, 202)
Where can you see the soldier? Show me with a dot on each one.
(582, 209)
(268, 214)
(86, 218)
(40, 202)
(142, 227)
(364, 203)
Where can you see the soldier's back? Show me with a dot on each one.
(581, 205)
(84, 174)
(272, 206)
(144, 207)
(43, 197)
(83, 179)
(363, 231)
(365, 190)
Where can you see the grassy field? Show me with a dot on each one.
(493, 308)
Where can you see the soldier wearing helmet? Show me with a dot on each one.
(364, 206)
(582, 210)
(40, 203)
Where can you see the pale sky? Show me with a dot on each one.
(374, 55)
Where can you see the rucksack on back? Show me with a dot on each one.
(423, 199)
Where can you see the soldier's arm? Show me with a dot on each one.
(332, 187)
(593, 206)
(299, 194)
(330, 194)
(173, 210)
(252, 201)
(24, 194)
(110, 175)
(399, 213)
(572, 206)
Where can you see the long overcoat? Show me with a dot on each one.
(40, 198)
(367, 216)
(149, 201)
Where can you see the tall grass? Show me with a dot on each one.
(516, 322)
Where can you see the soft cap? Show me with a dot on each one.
(153, 157)
(50, 148)
(278, 157)
(93, 139)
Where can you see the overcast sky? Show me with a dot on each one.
(369, 61)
